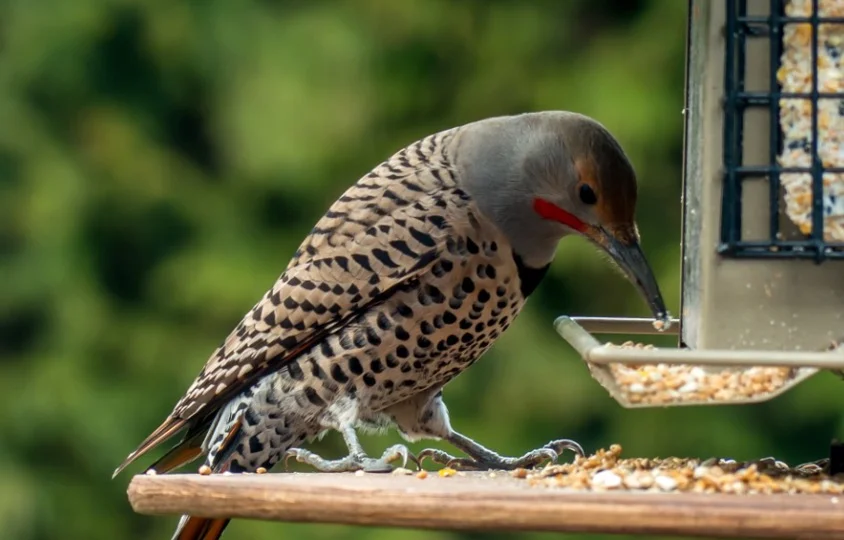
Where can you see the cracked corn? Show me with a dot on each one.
(606, 470)
(795, 75)
(656, 384)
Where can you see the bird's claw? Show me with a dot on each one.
(399, 451)
(439, 457)
(561, 445)
(548, 453)
(297, 453)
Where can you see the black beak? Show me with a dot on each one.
(631, 259)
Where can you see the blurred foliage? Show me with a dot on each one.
(161, 160)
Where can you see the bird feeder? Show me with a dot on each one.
(763, 214)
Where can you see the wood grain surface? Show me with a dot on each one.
(478, 502)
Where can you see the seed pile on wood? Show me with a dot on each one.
(606, 470)
(795, 75)
(662, 383)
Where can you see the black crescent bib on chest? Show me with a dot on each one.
(529, 278)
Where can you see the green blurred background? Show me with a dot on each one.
(161, 160)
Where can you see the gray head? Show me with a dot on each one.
(542, 176)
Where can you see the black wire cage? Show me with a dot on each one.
(802, 173)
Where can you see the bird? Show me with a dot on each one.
(408, 278)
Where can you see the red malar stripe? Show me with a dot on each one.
(549, 210)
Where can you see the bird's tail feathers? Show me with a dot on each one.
(183, 453)
(200, 528)
(170, 427)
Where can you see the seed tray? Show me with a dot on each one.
(640, 375)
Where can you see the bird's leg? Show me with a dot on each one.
(426, 417)
(356, 459)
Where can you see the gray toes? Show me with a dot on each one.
(437, 456)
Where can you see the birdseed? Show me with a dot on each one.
(795, 75)
(520, 473)
(205, 470)
(656, 384)
(422, 475)
(260, 470)
(607, 471)
(446, 472)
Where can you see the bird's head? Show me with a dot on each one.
(542, 176)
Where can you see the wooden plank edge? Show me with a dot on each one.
(458, 504)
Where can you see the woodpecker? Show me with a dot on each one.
(409, 277)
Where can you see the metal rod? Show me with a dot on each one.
(595, 352)
(762, 170)
(762, 98)
(624, 325)
(774, 54)
(785, 244)
(580, 339)
(817, 164)
(790, 20)
(744, 250)
(730, 208)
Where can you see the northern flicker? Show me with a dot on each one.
(408, 278)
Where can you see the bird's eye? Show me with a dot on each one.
(587, 194)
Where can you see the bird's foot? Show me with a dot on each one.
(353, 462)
(486, 459)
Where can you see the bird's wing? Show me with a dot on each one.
(318, 296)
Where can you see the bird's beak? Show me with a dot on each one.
(629, 256)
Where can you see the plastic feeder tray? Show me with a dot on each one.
(740, 366)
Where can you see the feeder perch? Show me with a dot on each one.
(763, 214)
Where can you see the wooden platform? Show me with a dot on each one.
(478, 502)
